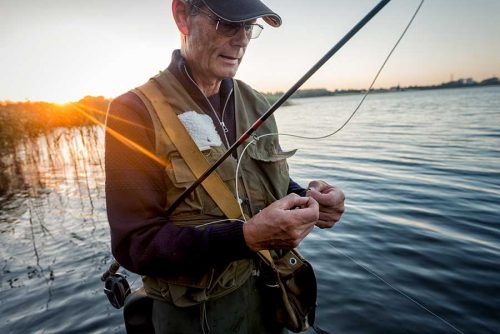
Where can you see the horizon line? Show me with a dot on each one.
(470, 79)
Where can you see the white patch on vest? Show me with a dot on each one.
(201, 128)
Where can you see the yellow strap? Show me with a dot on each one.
(189, 151)
(266, 256)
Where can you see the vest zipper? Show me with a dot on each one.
(221, 123)
(225, 130)
(224, 127)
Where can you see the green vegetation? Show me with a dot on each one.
(20, 120)
(25, 125)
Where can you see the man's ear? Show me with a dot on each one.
(181, 13)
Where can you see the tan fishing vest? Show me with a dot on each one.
(263, 178)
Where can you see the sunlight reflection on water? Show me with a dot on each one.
(421, 173)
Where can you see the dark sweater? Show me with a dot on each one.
(142, 238)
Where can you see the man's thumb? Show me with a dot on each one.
(314, 186)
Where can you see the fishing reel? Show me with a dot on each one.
(116, 286)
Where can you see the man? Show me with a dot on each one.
(200, 268)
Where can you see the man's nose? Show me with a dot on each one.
(242, 37)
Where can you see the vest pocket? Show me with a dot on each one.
(266, 174)
(180, 178)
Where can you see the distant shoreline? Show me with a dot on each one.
(24, 120)
(304, 93)
(319, 92)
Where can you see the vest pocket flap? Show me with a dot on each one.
(182, 173)
(267, 156)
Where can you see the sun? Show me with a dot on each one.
(61, 100)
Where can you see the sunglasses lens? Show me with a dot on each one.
(256, 30)
(230, 29)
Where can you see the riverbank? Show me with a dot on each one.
(319, 92)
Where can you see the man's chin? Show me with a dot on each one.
(228, 73)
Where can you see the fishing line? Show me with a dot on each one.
(256, 138)
(373, 273)
(218, 221)
(243, 138)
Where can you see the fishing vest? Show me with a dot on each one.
(263, 178)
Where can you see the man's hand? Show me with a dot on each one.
(283, 224)
(331, 202)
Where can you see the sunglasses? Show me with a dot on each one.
(229, 29)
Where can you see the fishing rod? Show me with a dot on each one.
(279, 102)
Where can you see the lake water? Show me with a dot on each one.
(417, 250)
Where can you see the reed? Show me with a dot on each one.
(25, 127)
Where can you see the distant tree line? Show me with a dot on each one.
(20, 120)
(460, 83)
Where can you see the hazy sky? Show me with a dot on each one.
(62, 50)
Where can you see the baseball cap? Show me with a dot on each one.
(243, 10)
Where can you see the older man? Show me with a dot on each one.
(199, 267)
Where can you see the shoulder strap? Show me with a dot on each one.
(189, 151)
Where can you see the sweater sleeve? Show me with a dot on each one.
(142, 238)
(294, 187)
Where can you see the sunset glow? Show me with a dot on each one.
(62, 51)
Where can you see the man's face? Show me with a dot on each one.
(213, 56)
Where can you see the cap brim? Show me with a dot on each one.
(243, 10)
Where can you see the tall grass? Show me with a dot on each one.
(25, 127)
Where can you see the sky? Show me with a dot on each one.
(63, 50)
